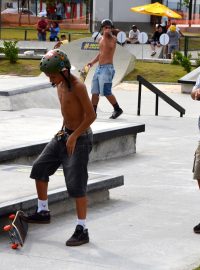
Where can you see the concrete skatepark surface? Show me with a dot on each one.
(147, 224)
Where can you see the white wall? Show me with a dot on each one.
(121, 10)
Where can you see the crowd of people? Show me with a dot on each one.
(167, 27)
(43, 27)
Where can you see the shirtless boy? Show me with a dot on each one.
(102, 80)
(70, 147)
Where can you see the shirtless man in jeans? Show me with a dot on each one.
(102, 80)
(70, 147)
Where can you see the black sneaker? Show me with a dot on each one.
(42, 217)
(116, 114)
(197, 228)
(153, 53)
(79, 237)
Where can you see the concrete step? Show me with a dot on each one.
(19, 192)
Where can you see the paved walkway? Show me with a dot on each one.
(147, 224)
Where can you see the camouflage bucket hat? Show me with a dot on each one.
(54, 61)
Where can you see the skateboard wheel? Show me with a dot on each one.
(12, 216)
(14, 246)
(7, 228)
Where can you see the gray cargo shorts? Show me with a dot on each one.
(196, 165)
(74, 166)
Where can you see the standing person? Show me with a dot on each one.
(155, 41)
(42, 28)
(174, 37)
(70, 147)
(195, 94)
(54, 30)
(59, 10)
(102, 80)
(133, 35)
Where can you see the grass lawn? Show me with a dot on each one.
(31, 33)
(156, 72)
(21, 68)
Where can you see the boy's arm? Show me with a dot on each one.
(94, 61)
(89, 114)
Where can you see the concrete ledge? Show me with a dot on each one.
(188, 81)
(23, 90)
(101, 184)
(108, 143)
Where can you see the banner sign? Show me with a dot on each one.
(90, 46)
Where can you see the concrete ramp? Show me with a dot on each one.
(143, 51)
(19, 93)
(124, 61)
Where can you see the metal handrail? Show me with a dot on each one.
(159, 94)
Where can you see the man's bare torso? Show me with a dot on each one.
(71, 107)
(107, 46)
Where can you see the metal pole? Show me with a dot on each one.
(36, 7)
(111, 10)
(185, 46)
(91, 16)
(139, 98)
(0, 18)
(156, 108)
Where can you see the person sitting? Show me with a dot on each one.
(155, 41)
(63, 40)
(54, 30)
(133, 35)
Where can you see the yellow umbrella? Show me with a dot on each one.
(156, 9)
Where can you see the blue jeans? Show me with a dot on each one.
(102, 80)
(42, 36)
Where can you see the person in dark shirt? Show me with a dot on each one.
(155, 41)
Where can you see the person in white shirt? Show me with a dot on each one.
(133, 35)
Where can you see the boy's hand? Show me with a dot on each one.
(70, 144)
(197, 94)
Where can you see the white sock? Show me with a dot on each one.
(81, 222)
(42, 205)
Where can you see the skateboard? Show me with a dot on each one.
(84, 72)
(17, 230)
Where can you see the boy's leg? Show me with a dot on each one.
(80, 236)
(76, 177)
(95, 101)
(41, 188)
(81, 207)
(44, 166)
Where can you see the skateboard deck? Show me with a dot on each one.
(84, 72)
(17, 230)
